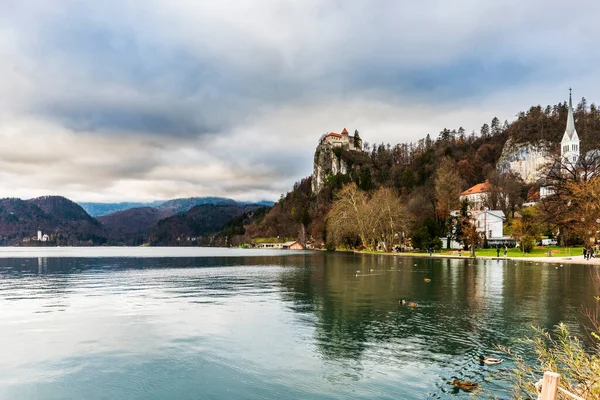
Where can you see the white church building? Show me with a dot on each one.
(569, 147)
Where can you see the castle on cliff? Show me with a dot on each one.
(343, 140)
(328, 162)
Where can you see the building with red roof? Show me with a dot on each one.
(342, 140)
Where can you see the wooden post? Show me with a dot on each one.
(550, 386)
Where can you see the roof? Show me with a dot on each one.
(334, 134)
(286, 244)
(479, 188)
(570, 130)
(345, 131)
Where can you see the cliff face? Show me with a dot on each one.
(327, 162)
(529, 161)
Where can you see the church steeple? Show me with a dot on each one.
(570, 141)
(570, 120)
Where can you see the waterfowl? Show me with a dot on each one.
(489, 360)
(464, 385)
(407, 303)
(427, 280)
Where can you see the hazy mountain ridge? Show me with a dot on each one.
(175, 206)
(101, 209)
(67, 223)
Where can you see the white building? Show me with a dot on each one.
(489, 223)
(477, 195)
(569, 145)
(39, 235)
(342, 140)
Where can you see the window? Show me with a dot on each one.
(491, 230)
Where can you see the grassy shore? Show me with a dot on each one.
(558, 254)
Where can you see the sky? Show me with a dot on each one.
(140, 100)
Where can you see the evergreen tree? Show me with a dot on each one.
(485, 131)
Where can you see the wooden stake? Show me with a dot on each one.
(550, 386)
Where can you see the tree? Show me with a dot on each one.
(390, 218)
(376, 220)
(584, 207)
(485, 131)
(408, 179)
(448, 186)
(495, 126)
(527, 230)
(349, 215)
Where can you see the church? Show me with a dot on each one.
(569, 145)
(570, 152)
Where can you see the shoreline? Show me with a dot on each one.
(550, 260)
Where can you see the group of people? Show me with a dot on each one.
(590, 252)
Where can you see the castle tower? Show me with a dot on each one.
(569, 145)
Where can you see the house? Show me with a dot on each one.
(342, 140)
(270, 245)
(477, 195)
(293, 245)
(489, 223)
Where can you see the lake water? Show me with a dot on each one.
(225, 324)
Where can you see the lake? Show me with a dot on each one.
(190, 323)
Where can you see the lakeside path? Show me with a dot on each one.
(550, 260)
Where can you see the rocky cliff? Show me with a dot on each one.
(528, 160)
(328, 161)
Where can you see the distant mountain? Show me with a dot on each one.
(175, 206)
(131, 226)
(65, 221)
(198, 221)
(100, 209)
(264, 203)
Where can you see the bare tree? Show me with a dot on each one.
(390, 217)
(448, 185)
(349, 215)
(376, 220)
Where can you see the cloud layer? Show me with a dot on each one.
(126, 100)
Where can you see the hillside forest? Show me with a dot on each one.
(427, 178)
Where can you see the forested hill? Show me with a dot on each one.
(410, 169)
(548, 123)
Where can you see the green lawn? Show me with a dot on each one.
(512, 252)
(537, 251)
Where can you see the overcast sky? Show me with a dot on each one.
(118, 100)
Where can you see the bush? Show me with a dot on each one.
(560, 352)
(527, 244)
(330, 246)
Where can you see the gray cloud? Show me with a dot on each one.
(145, 99)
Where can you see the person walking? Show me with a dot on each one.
(584, 253)
(505, 251)
(498, 251)
(430, 251)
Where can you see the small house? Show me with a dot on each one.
(293, 245)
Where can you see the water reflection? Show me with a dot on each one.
(313, 324)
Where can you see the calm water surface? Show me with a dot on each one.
(225, 324)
